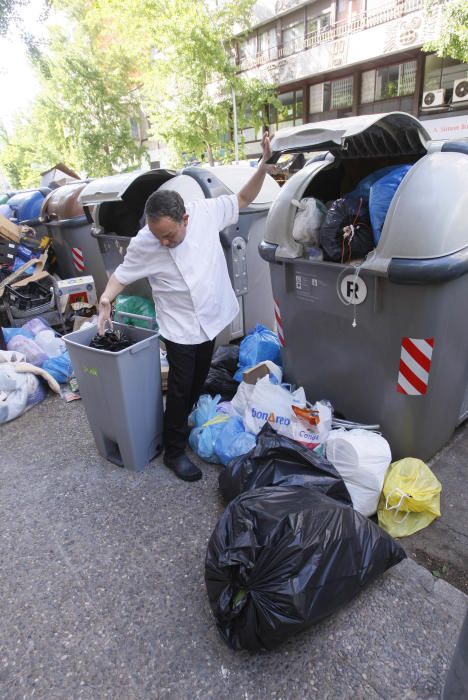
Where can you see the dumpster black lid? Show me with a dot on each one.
(394, 133)
(114, 187)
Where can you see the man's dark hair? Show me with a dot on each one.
(165, 203)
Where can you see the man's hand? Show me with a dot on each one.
(105, 310)
(266, 148)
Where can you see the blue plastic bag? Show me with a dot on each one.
(205, 410)
(258, 345)
(233, 440)
(363, 187)
(202, 440)
(59, 367)
(381, 195)
(9, 333)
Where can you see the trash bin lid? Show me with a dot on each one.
(27, 203)
(62, 203)
(394, 133)
(186, 186)
(234, 177)
(114, 187)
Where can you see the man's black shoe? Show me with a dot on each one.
(183, 467)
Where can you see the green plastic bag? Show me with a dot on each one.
(138, 306)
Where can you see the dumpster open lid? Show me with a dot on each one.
(394, 133)
(234, 177)
(114, 187)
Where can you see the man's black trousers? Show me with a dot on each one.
(188, 368)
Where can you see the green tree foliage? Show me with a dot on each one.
(181, 51)
(81, 117)
(452, 41)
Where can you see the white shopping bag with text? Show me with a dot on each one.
(271, 403)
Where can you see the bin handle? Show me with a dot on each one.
(139, 317)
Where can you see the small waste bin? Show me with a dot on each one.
(26, 209)
(77, 252)
(383, 339)
(119, 203)
(122, 394)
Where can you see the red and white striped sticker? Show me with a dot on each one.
(415, 365)
(279, 324)
(78, 259)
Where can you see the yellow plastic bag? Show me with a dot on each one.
(410, 498)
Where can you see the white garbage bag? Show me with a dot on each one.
(308, 220)
(362, 459)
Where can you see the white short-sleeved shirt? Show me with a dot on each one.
(192, 292)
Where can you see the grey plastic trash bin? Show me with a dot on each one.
(122, 394)
(77, 252)
(386, 342)
(119, 203)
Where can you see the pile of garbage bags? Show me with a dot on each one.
(34, 360)
(349, 227)
(296, 542)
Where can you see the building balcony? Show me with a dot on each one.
(406, 17)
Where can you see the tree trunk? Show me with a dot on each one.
(209, 151)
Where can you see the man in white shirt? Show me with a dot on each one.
(180, 253)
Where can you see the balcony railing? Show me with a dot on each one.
(365, 20)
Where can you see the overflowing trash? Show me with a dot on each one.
(220, 379)
(283, 558)
(347, 228)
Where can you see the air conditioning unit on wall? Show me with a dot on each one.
(433, 98)
(460, 90)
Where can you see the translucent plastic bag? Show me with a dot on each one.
(258, 345)
(205, 410)
(202, 440)
(30, 349)
(308, 220)
(233, 440)
(9, 333)
(50, 343)
(410, 498)
(35, 326)
(59, 367)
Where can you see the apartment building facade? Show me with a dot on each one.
(351, 57)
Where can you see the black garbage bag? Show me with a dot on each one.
(226, 357)
(283, 558)
(220, 381)
(346, 233)
(112, 341)
(277, 460)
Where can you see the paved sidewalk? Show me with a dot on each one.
(103, 596)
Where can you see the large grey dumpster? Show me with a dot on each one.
(122, 394)
(118, 214)
(77, 252)
(385, 341)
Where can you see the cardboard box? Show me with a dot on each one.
(252, 375)
(9, 230)
(76, 289)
